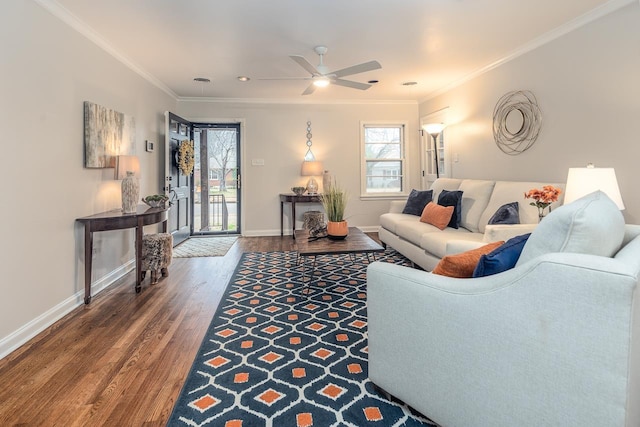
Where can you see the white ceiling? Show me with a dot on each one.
(435, 43)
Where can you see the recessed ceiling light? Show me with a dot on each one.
(243, 78)
(202, 80)
(373, 82)
(409, 83)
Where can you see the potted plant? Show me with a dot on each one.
(334, 202)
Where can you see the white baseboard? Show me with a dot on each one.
(19, 337)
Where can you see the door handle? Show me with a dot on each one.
(239, 182)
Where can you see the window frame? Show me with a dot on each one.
(404, 162)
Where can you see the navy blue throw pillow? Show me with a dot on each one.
(506, 214)
(417, 201)
(502, 258)
(452, 198)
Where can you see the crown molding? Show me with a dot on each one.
(547, 37)
(62, 13)
(299, 101)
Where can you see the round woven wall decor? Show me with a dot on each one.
(517, 120)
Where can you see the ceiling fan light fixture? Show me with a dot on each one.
(321, 82)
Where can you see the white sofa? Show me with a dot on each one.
(425, 245)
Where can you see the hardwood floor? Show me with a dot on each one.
(122, 360)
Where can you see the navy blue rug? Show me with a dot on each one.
(275, 357)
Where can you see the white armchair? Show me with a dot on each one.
(552, 342)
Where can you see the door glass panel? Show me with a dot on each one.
(216, 198)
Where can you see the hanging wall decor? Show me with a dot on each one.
(517, 120)
(107, 134)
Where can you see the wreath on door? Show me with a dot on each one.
(186, 158)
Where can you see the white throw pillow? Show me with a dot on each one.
(591, 225)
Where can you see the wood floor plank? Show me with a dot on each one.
(123, 359)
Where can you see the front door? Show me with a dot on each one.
(179, 175)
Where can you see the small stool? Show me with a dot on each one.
(157, 250)
(312, 219)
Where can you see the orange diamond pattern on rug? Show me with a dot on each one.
(275, 357)
(205, 402)
(270, 397)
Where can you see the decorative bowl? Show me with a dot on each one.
(299, 191)
(156, 201)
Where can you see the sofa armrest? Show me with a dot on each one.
(396, 206)
(561, 319)
(497, 232)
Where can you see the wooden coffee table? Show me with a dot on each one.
(355, 243)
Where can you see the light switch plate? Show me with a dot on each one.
(257, 162)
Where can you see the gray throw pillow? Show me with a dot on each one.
(417, 201)
(506, 214)
(591, 225)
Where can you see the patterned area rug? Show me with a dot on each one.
(273, 357)
(204, 246)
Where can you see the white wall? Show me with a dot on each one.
(588, 86)
(47, 71)
(277, 133)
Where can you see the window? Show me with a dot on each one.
(383, 162)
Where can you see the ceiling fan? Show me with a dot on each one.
(321, 76)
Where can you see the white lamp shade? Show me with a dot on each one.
(314, 168)
(583, 181)
(433, 128)
(126, 164)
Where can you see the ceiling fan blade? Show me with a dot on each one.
(309, 90)
(356, 69)
(284, 78)
(301, 60)
(349, 83)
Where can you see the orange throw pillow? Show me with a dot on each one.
(436, 215)
(462, 265)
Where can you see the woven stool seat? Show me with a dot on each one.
(312, 219)
(157, 250)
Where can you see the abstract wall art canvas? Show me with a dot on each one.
(107, 134)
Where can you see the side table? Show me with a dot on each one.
(293, 199)
(116, 220)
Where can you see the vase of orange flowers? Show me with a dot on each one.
(542, 199)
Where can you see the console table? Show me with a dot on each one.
(293, 199)
(117, 220)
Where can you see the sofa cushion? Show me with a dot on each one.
(501, 259)
(462, 265)
(508, 191)
(475, 197)
(591, 225)
(391, 220)
(444, 184)
(436, 243)
(506, 214)
(414, 230)
(452, 198)
(436, 215)
(416, 202)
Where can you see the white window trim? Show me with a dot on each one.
(404, 159)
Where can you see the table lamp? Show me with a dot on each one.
(311, 169)
(583, 181)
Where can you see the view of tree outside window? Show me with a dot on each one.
(383, 158)
(216, 192)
